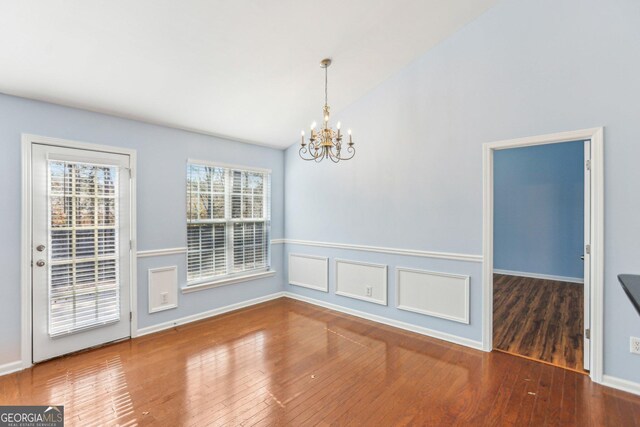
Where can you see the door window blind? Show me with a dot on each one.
(84, 286)
(228, 221)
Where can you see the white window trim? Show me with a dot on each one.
(227, 280)
(228, 166)
(243, 276)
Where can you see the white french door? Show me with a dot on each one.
(587, 257)
(80, 249)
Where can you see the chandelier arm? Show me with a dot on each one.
(316, 149)
(303, 151)
(331, 150)
(314, 155)
(335, 158)
(351, 150)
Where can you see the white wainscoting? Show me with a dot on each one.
(362, 280)
(309, 271)
(385, 250)
(163, 281)
(435, 294)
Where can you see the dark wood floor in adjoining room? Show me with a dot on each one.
(285, 362)
(540, 319)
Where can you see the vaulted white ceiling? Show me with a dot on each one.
(245, 69)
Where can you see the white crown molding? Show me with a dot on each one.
(390, 322)
(539, 276)
(385, 250)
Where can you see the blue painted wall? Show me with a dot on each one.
(162, 156)
(539, 209)
(523, 68)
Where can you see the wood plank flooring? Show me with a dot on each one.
(287, 363)
(540, 319)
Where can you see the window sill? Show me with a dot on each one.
(227, 281)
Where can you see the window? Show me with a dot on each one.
(84, 285)
(228, 221)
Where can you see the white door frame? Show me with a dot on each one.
(25, 269)
(597, 235)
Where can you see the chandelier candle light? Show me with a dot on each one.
(326, 143)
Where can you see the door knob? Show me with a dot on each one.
(40, 248)
(40, 263)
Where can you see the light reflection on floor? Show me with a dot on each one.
(94, 394)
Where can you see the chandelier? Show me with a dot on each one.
(326, 143)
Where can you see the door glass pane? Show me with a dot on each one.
(84, 285)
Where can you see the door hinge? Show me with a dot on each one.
(130, 244)
(587, 249)
(587, 334)
(130, 315)
(588, 165)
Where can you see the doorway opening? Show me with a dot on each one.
(539, 261)
(542, 233)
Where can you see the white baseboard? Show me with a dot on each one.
(390, 322)
(620, 384)
(204, 315)
(11, 367)
(539, 276)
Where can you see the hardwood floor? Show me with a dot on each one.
(285, 362)
(540, 319)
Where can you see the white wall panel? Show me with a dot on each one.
(361, 280)
(309, 271)
(434, 294)
(163, 288)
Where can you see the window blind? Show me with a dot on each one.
(228, 221)
(84, 286)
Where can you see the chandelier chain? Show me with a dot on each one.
(326, 96)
